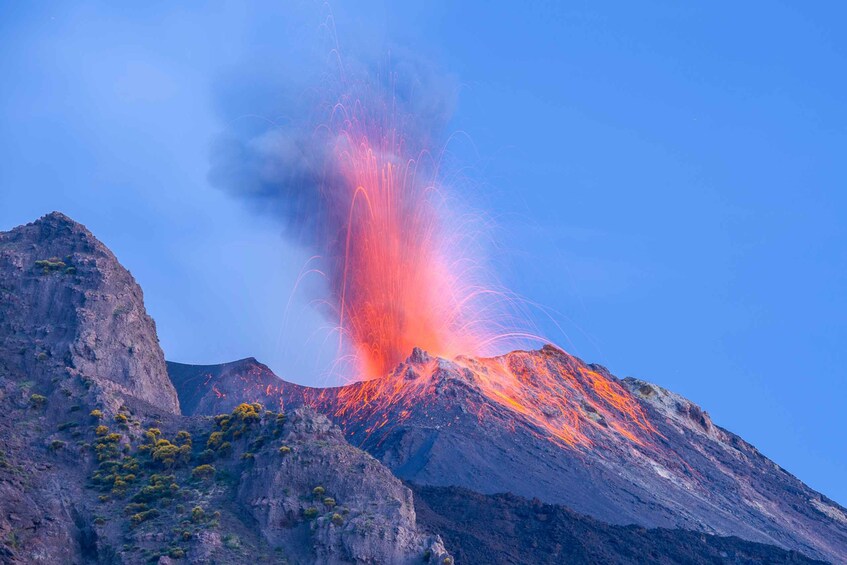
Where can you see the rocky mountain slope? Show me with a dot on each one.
(98, 466)
(68, 307)
(508, 529)
(621, 451)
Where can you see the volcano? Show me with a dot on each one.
(622, 451)
(108, 454)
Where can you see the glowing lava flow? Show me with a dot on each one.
(554, 394)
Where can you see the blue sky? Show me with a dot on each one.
(668, 178)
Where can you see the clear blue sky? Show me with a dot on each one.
(670, 178)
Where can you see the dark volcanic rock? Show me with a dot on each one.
(217, 389)
(68, 307)
(438, 428)
(507, 529)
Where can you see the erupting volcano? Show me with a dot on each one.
(358, 185)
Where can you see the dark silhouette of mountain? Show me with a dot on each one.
(508, 529)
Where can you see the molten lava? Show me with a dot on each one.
(396, 289)
(553, 394)
(399, 272)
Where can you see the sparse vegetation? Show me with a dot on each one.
(204, 472)
(37, 400)
(197, 514)
(137, 519)
(51, 265)
(231, 541)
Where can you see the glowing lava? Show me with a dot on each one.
(400, 274)
(554, 394)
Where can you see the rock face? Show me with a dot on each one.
(68, 306)
(363, 514)
(438, 422)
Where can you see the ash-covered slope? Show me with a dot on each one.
(544, 424)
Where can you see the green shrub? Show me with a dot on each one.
(248, 456)
(284, 450)
(165, 453)
(137, 519)
(310, 512)
(99, 521)
(101, 430)
(231, 541)
(197, 514)
(121, 418)
(37, 400)
(158, 487)
(56, 445)
(51, 265)
(96, 414)
(215, 440)
(204, 472)
(186, 535)
(329, 502)
(318, 491)
(66, 426)
(41, 356)
(176, 553)
(183, 438)
(337, 519)
(135, 507)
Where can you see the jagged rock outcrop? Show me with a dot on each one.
(68, 309)
(363, 514)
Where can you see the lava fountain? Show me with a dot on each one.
(402, 266)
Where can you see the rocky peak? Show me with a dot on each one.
(69, 310)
